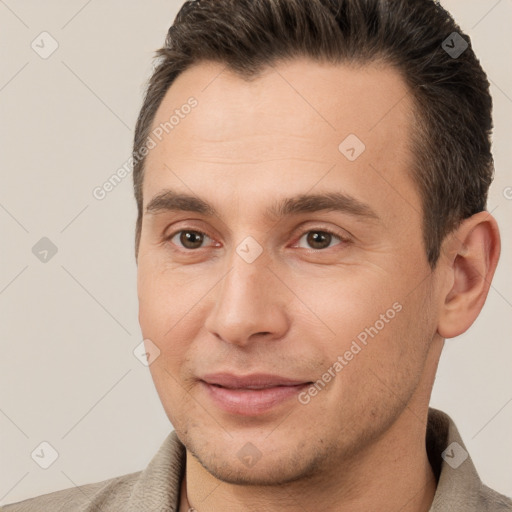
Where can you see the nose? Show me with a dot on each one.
(250, 303)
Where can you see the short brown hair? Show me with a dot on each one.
(451, 137)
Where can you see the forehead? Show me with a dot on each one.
(297, 118)
(302, 96)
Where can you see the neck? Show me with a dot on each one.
(391, 475)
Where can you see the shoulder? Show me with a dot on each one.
(107, 495)
(459, 486)
(492, 501)
(154, 489)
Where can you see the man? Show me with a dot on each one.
(311, 229)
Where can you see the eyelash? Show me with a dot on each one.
(315, 230)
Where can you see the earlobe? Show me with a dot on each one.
(470, 259)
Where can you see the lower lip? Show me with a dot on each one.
(251, 402)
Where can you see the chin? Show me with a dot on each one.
(271, 473)
(269, 467)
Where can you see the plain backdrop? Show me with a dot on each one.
(69, 326)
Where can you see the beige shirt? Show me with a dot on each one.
(157, 488)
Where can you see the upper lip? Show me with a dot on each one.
(252, 381)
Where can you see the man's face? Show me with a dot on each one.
(249, 290)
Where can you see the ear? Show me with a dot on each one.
(470, 257)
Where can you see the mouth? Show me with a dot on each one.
(250, 395)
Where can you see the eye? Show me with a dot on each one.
(319, 239)
(189, 239)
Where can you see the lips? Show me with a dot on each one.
(254, 381)
(250, 395)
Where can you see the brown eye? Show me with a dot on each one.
(189, 239)
(318, 239)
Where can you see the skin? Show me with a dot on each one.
(359, 443)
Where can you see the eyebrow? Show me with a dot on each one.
(169, 200)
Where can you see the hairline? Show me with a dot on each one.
(380, 59)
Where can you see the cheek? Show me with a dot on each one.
(378, 336)
(159, 322)
(351, 301)
(172, 307)
(165, 297)
(391, 362)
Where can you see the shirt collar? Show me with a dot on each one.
(458, 484)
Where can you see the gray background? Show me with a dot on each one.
(69, 326)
